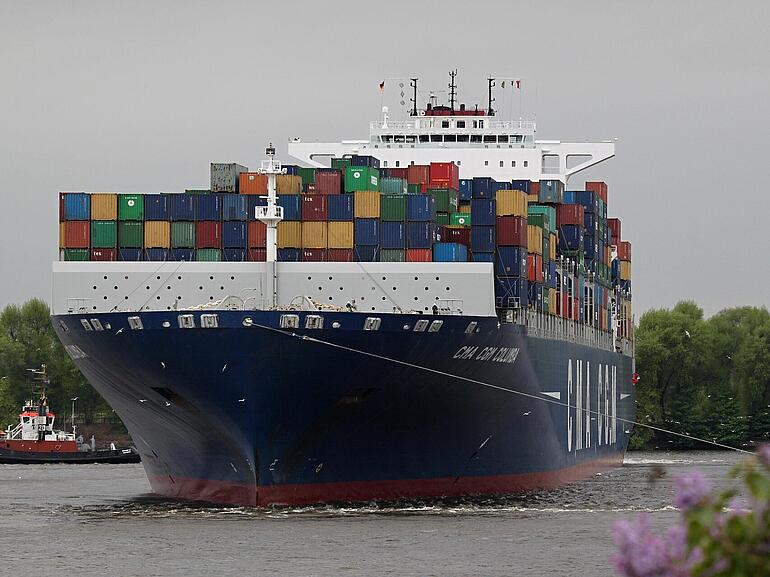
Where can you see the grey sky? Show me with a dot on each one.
(141, 96)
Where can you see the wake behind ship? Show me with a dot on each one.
(376, 329)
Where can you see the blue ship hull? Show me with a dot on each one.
(250, 414)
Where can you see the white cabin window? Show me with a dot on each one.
(412, 163)
(444, 124)
(459, 163)
(513, 163)
(385, 163)
(481, 124)
(501, 164)
(460, 124)
(526, 163)
(475, 124)
(486, 163)
(397, 163)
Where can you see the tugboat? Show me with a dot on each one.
(34, 440)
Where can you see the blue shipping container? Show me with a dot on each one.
(367, 231)
(182, 254)
(466, 188)
(551, 191)
(208, 207)
(365, 253)
(252, 202)
(511, 261)
(77, 206)
(450, 252)
(291, 206)
(420, 207)
(340, 207)
(288, 254)
(483, 187)
(392, 235)
(234, 207)
(483, 238)
(511, 292)
(483, 257)
(589, 221)
(569, 197)
(130, 254)
(524, 185)
(157, 254)
(234, 234)
(290, 169)
(590, 247)
(483, 211)
(571, 236)
(235, 254)
(181, 206)
(371, 161)
(156, 206)
(588, 199)
(536, 295)
(420, 234)
(552, 275)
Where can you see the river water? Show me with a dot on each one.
(102, 520)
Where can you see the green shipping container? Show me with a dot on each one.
(104, 234)
(413, 188)
(182, 234)
(540, 220)
(445, 199)
(460, 219)
(361, 178)
(549, 222)
(442, 218)
(307, 174)
(392, 255)
(340, 163)
(393, 207)
(208, 255)
(131, 207)
(392, 185)
(196, 191)
(131, 234)
(546, 248)
(76, 254)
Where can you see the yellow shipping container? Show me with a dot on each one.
(340, 235)
(625, 270)
(551, 301)
(532, 198)
(534, 239)
(511, 203)
(367, 204)
(288, 184)
(552, 240)
(464, 208)
(289, 234)
(157, 234)
(104, 206)
(61, 236)
(314, 234)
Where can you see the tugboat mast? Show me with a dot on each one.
(271, 215)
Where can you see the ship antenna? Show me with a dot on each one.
(452, 90)
(490, 86)
(271, 215)
(413, 84)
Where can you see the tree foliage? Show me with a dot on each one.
(708, 378)
(28, 340)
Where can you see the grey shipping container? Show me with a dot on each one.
(224, 176)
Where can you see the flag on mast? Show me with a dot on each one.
(382, 85)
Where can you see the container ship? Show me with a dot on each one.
(434, 311)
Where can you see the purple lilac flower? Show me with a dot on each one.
(763, 453)
(645, 553)
(691, 490)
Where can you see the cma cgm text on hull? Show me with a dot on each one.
(399, 323)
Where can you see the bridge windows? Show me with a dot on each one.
(435, 138)
(490, 138)
(411, 138)
(462, 138)
(502, 138)
(475, 138)
(450, 138)
(444, 124)
(424, 138)
(399, 138)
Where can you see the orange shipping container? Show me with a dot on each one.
(366, 204)
(288, 184)
(252, 183)
(104, 206)
(157, 234)
(534, 239)
(257, 234)
(341, 234)
(289, 234)
(314, 234)
(75, 234)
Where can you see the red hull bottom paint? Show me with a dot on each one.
(304, 494)
(41, 446)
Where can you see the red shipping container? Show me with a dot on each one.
(600, 188)
(445, 175)
(398, 173)
(575, 309)
(511, 231)
(564, 304)
(570, 214)
(104, 254)
(313, 255)
(624, 250)
(419, 255)
(252, 183)
(77, 234)
(257, 234)
(535, 268)
(314, 207)
(328, 182)
(208, 234)
(459, 234)
(257, 255)
(418, 174)
(534, 188)
(339, 255)
(61, 207)
(614, 225)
